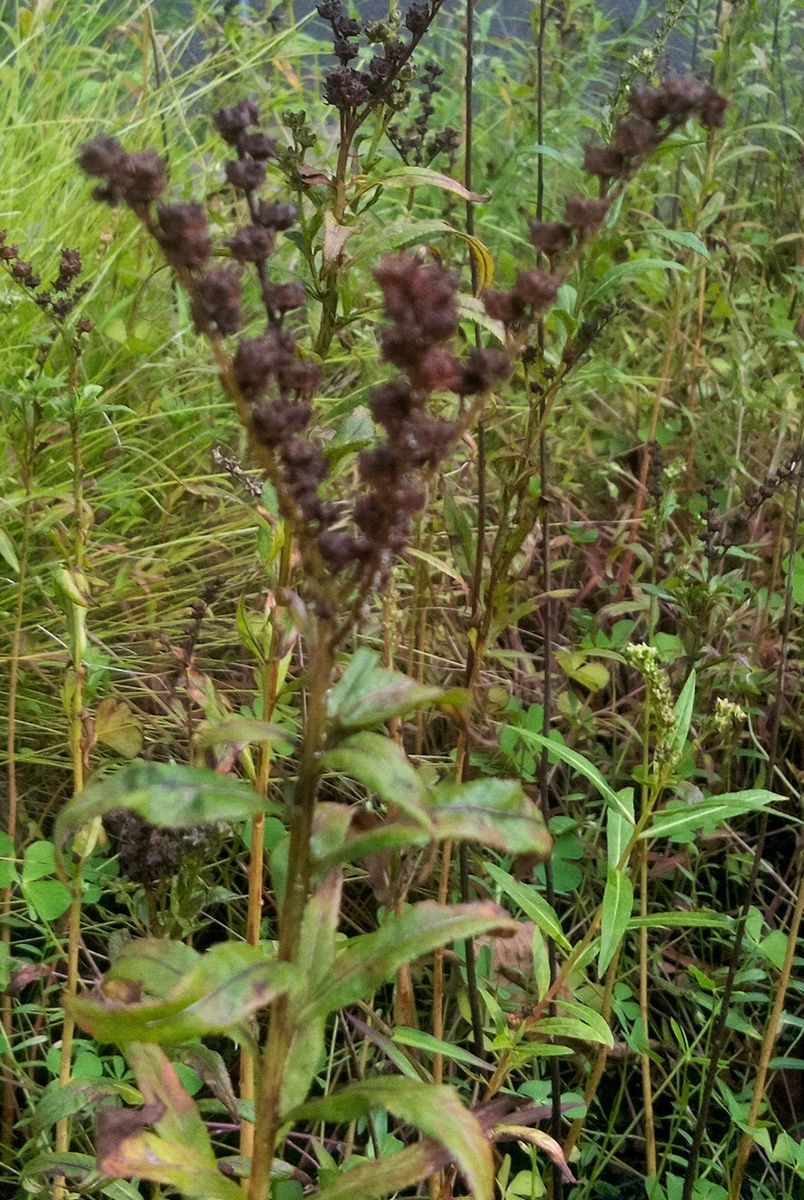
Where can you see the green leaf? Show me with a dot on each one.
(38, 861)
(165, 794)
(619, 829)
(80, 1169)
(383, 767)
(494, 812)
(319, 928)
(590, 675)
(436, 1110)
(679, 820)
(706, 919)
(8, 552)
(590, 1018)
(681, 237)
(618, 901)
(631, 270)
(569, 1027)
(367, 694)
(532, 904)
(62, 1100)
(683, 714)
(394, 1173)
(372, 959)
(433, 1045)
(578, 763)
(306, 1056)
(244, 730)
(8, 861)
(231, 982)
(157, 964)
(49, 898)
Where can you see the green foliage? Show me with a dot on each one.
(581, 675)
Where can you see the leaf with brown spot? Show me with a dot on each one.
(231, 982)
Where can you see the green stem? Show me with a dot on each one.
(282, 1027)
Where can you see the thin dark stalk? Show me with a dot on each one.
(547, 611)
(477, 580)
(718, 1037)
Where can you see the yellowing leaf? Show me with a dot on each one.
(116, 726)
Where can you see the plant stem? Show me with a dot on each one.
(6, 1139)
(77, 620)
(269, 690)
(281, 1026)
(719, 1033)
(768, 1043)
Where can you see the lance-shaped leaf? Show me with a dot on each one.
(532, 903)
(370, 960)
(230, 983)
(578, 763)
(177, 1151)
(540, 1139)
(368, 694)
(494, 812)
(618, 901)
(680, 820)
(619, 829)
(167, 794)
(683, 715)
(392, 1173)
(383, 767)
(417, 177)
(436, 1110)
(315, 959)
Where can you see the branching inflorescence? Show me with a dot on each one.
(274, 383)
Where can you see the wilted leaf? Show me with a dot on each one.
(422, 176)
(231, 982)
(211, 1067)
(383, 767)
(436, 1110)
(335, 238)
(165, 794)
(178, 1151)
(540, 1139)
(494, 812)
(373, 958)
(118, 727)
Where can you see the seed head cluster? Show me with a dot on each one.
(414, 142)
(351, 89)
(654, 114)
(148, 853)
(58, 298)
